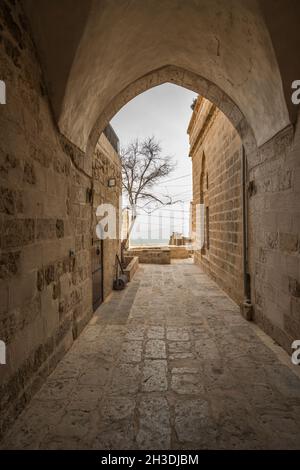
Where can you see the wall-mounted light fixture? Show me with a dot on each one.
(111, 183)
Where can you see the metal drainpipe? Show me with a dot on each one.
(247, 306)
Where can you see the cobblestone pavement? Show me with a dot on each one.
(167, 363)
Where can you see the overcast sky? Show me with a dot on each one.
(164, 112)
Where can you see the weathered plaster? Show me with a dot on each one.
(117, 43)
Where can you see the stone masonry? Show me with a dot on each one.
(107, 165)
(46, 223)
(274, 235)
(46, 212)
(215, 149)
(152, 255)
(273, 220)
(168, 363)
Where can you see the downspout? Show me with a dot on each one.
(246, 308)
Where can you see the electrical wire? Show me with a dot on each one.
(175, 179)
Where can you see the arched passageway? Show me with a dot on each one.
(169, 363)
(64, 88)
(102, 48)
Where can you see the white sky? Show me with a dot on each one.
(164, 112)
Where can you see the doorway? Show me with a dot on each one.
(97, 272)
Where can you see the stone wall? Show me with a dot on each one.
(274, 228)
(273, 199)
(215, 152)
(46, 223)
(151, 255)
(180, 252)
(107, 165)
(132, 265)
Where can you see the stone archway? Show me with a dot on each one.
(105, 47)
(260, 159)
(186, 79)
(93, 57)
(204, 88)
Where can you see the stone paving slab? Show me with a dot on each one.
(167, 363)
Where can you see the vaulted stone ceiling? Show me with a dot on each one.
(92, 50)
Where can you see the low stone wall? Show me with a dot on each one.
(179, 252)
(132, 266)
(160, 254)
(151, 255)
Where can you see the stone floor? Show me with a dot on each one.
(167, 363)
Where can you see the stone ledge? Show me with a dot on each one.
(180, 252)
(152, 255)
(132, 267)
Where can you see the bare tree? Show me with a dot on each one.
(143, 167)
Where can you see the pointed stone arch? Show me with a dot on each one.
(186, 79)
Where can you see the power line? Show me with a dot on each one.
(181, 211)
(167, 210)
(175, 179)
(150, 214)
(166, 217)
(144, 213)
(162, 218)
(157, 225)
(175, 185)
(181, 192)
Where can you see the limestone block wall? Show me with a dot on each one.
(273, 197)
(107, 165)
(179, 252)
(132, 265)
(46, 224)
(274, 218)
(151, 255)
(215, 152)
